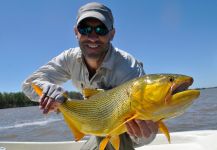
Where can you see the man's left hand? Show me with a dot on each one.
(141, 128)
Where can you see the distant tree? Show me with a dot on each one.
(18, 99)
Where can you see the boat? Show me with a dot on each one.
(186, 140)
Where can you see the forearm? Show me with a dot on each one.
(54, 72)
(37, 79)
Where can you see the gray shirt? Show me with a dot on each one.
(118, 67)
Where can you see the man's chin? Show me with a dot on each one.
(92, 56)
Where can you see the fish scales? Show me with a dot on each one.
(101, 109)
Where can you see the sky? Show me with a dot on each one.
(168, 36)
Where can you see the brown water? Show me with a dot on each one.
(28, 124)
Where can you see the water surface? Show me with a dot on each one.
(29, 124)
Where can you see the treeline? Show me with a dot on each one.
(207, 88)
(18, 99)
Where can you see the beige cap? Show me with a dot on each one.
(98, 11)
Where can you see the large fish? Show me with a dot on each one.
(153, 97)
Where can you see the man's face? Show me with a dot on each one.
(94, 46)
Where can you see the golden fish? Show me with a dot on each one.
(153, 97)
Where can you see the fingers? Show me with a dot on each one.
(42, 99)
(129, 129)
(152, 126)
(144, 128)
(141, 128)
(51, 98)
(47, 104)
(133, 128)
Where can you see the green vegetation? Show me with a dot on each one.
(10, 100)
(206, 88)
(18, 99)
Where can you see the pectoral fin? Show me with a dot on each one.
(90, 92)
(121, 125)
(163, 128)
(77, 134)
(104, 142)
(115, 141)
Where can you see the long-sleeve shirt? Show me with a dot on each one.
(117, 67)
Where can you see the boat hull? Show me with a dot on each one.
(188, 140)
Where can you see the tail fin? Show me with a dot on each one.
(39, 91)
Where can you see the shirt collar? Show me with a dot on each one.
(79, 55)
(109, 58)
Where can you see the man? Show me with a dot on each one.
(94, 64)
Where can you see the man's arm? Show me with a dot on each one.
(49, 78)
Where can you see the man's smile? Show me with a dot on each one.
(93, 45)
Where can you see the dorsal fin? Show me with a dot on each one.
(87, 92)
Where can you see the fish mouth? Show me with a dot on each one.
(181, 87)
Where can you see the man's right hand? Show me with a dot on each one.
(51, 98)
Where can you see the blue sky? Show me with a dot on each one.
(168, 36)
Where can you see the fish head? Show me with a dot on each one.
(162, 96)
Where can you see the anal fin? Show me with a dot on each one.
(115, 141)
(104, 142)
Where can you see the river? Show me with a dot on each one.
(29, 124)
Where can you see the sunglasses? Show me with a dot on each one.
(100, 30)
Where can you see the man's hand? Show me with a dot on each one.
(51, 98)
(141, 128)
(48, 104)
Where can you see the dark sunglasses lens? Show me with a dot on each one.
(101, 30)
(84, 30)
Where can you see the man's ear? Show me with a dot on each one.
(76, 31)
(112, 34)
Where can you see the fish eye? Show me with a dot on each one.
(171, 79)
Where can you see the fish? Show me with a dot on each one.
(155, 97)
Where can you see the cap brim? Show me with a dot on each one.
(97, 15)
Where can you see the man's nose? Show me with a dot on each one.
(93, 37)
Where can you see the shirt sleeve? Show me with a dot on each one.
(135, 71)
(55, 71)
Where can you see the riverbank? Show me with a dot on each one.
(18, 99)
